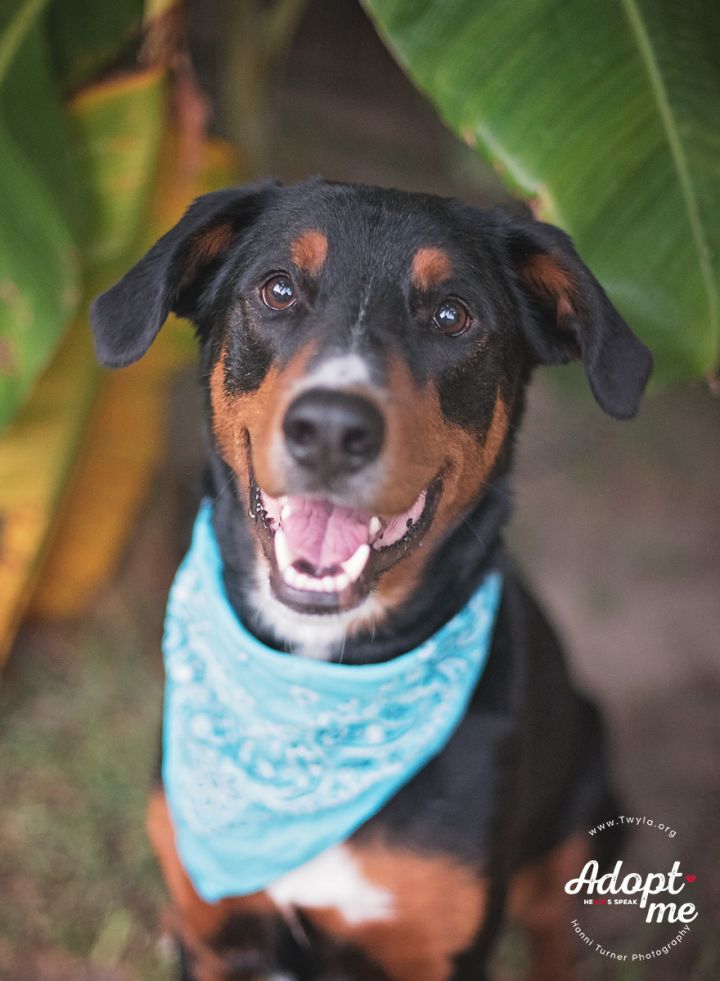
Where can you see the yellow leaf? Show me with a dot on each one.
(126, 434)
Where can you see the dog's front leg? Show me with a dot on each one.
(540, 905)
(240, 939)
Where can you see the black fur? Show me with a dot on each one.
(526, 767)
(127, 317)
(372, 233)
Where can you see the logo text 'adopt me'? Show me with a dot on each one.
(642, 887)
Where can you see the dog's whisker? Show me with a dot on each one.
(342, 648)
(223, 487)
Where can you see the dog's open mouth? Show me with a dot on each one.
(324, 558)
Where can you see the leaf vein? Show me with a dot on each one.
(679, 157)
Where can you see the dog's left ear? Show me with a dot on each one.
(170, 277)
(572, 318)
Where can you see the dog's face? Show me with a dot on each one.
(366, 352)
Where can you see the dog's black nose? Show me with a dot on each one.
(333, 433)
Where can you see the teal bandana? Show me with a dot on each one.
(269, 759)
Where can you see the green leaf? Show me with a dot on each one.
(39, 277)
(75, 187)
(42, 210)
(608, 116)
(35, 116)
(87, 34)
(118, 127)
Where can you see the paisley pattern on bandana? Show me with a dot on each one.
(269, 759)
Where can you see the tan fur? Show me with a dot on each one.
(438, 906)
(430, 267)
(418, 453)
(206, 247)
(258, 413)
(539, 903)
(196, 921)
(309, 251)
(544, 273)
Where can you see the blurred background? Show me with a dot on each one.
(111, 120)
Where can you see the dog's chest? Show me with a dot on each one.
(410, 912)
(334, 880)
(270, 761)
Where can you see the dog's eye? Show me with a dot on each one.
(278, 292)
(452, 318)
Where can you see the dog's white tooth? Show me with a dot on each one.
(305, 582)
(354, 566)
(328, 584)
(291, 577)
(342, 581)
(285, 512)
(283, 553)
(375, 526)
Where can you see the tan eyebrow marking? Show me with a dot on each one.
(309, 251)
(430, 266)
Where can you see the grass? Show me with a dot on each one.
(79, 721)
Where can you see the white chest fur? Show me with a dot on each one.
(333, 879)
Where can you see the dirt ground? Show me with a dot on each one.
(617, 525)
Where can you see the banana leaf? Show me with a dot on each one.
(606, 116)
(117, 128)
(87, 35)
(57, 223)
(37, 454)
(125, 436)
(42, 214)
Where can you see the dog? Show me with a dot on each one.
(373, 749)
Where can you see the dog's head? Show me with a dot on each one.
(366, 352)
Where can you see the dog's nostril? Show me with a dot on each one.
(333, 432)
(357, 441)
(301, 432)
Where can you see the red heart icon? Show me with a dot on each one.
(691, 877)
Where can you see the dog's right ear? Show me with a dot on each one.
(127, 317)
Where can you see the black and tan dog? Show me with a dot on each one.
(366, 354)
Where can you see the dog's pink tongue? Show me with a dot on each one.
(323, 534)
